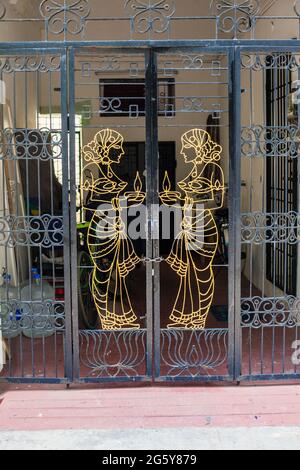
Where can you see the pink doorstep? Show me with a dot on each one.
(150, 407)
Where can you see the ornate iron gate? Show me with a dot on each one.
(36, 284)
(145, 346)
(270, 213)
(149, 202)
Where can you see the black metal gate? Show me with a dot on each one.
(73, 312)
(269, 334)
(36, 330)
(137, 102)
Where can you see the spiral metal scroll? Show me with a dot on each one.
(44, 231)
(65, 16)
(33, 63)
(236, 16)
(150, 15)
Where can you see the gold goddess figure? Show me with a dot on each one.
(110, 248)
(195, 246)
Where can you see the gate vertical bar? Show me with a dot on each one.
(149, 298)
(155, 217)
(73, 228)
(152, 184)
(234, 300)
(66, 215)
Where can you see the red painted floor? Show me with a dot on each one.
(152, 407)
(42, 358)
(265, 350)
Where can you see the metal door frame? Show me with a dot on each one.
(255, 47)
(73, 243)
(233, 78)
(233, 50)
(152, 268)
(38, 50)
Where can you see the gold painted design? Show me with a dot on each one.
(195, 245)
(110, 248)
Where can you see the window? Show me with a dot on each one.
(282, 169)
(53, 123)
(126, 97)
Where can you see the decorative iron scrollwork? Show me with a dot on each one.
(276, 311)
(275, 61)
(65, 16)
(110, 105)
(103, 64)
(39, 315)
(2, 11)
(236, 16)
(191, 103)
(38, 63)
(266, 141)
(113, 353)
(259, 227)
(192, 61)
(194, 352)
(45, 231)
(37, 144)
(297, 7)
(151, 15)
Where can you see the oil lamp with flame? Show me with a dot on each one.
(166, 183)
(138, 183)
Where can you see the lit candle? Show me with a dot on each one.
(166, 183)
(137, 183)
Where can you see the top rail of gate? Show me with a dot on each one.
(123, 20)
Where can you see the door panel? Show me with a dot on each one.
(270, 214)
(34, 247)
(193, 325)
(173, 264)
(111, 185)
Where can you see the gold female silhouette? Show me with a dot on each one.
(110, 248)
(195, 246)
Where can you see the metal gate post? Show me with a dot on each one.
(66, 216)
(153, 294)
(73, 227)
(234, 307)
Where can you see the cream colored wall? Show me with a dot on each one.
(14, 31)
(279, 28)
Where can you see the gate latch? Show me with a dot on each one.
(152, 260)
